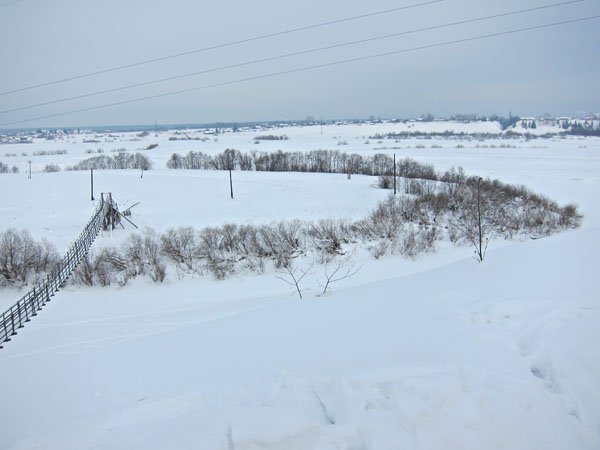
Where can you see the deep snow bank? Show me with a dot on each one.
(493, 355)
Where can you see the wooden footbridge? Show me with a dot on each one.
(106, 216)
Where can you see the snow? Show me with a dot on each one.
(172, 198)
(437, 352)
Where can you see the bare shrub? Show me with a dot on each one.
(282, 242)
(569, 216)
(134, 256)
(84, 272)
(180, 246)
(420, 240)
(385, 221)
(110, 267)
(142, 256)
(50, 168)
(214, 253)
(385, 182)
(103, 268)
(23, 259)
(379, 248)
(290, 235)
(327, 236)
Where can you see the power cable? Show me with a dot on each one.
(303, 69)
(304, 52)
(214, 47)
(11, 3)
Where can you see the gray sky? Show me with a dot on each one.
(552, 70)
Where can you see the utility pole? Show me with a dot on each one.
(92, 183)
(230, 184)
(480, 231)
(394, 174)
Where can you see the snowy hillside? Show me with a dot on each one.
(434, 352)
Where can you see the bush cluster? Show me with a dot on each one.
(119, 161)
(22, 259)
(218, 251)
(271, 137)
(404, 224)
(50, 168)
(140, 255)
(4, 168)
(507, 210)
(51, 152)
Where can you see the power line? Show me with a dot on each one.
(304, 52)
(214, 47)
(306, 68)
(11, 3)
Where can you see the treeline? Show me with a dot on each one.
(577, 129)
(462, 136)
(271, 137)
(119, 161)
(447, 134)
(318, 161)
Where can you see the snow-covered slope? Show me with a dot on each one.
(437, 352)
(495, 355)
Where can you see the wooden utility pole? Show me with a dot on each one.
(394, 174)
(230, 184)
(92, 183)
(480, 250)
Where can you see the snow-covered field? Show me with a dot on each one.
(437, 352)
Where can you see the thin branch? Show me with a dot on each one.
(292, 272)
(331, 278)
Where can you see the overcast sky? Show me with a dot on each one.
(552, 70)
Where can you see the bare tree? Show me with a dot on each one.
(473, 224)
(341, 271)
(293, 276)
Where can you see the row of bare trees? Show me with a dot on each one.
(319, 161)
(119, 161)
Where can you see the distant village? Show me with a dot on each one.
(512, 126)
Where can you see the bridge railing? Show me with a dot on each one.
(28, 306)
